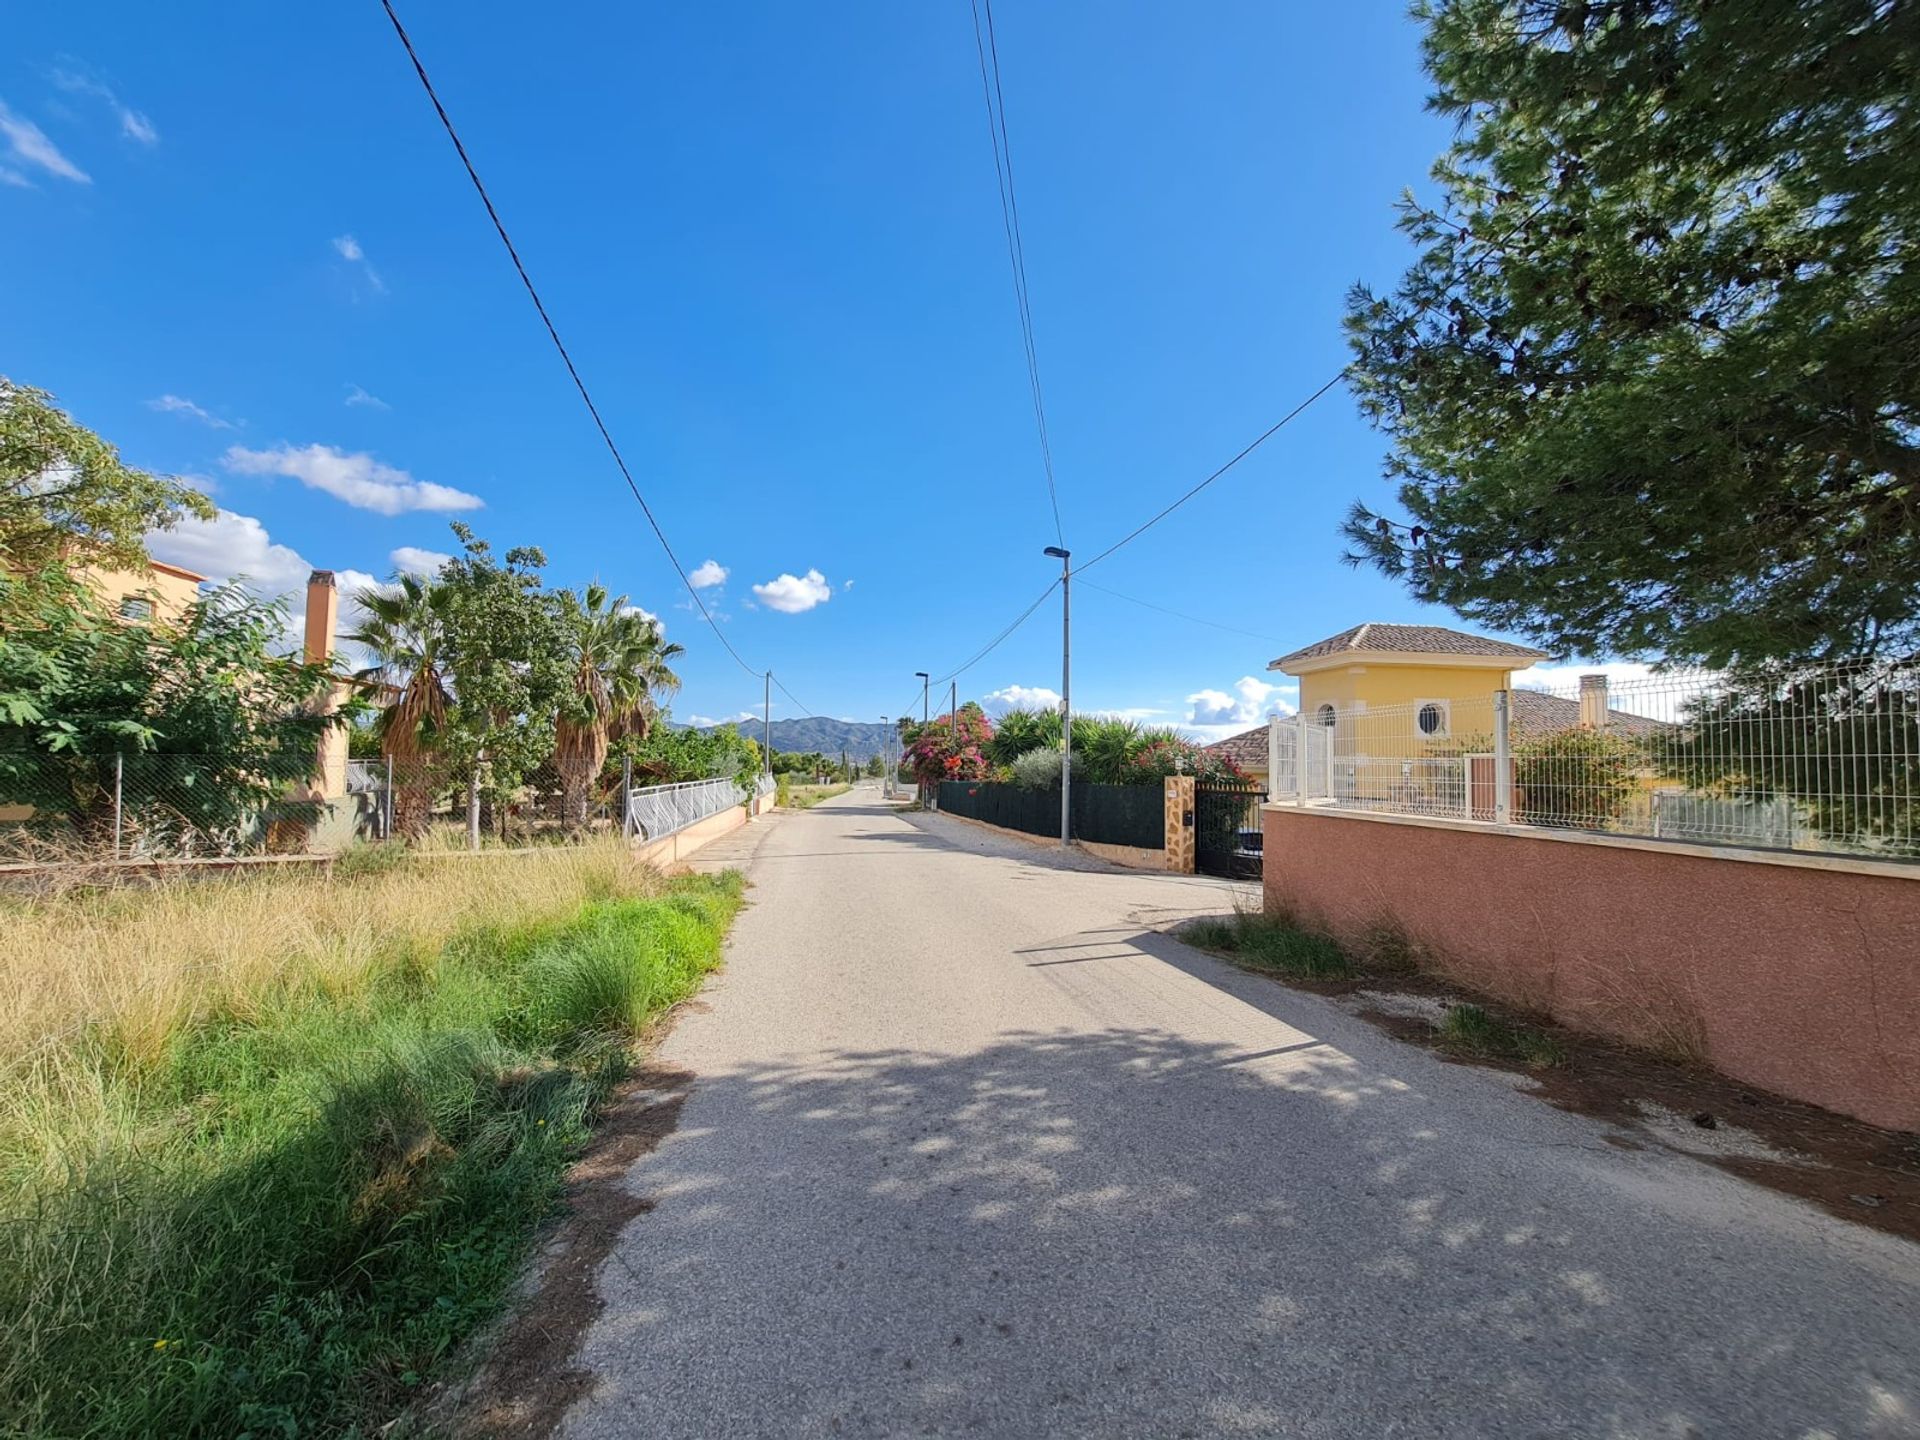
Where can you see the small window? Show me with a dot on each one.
(1325, 716)
(137, 608)
(1432, 718)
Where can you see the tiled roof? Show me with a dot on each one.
(1375, 638)
(1248, 749)
(1534, 714)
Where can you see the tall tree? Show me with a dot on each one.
(1653, 383)
(404, 629)
(65, 491)
(621, 664)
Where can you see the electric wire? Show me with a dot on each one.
(553, 334)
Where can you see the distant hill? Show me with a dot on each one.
(829, 737)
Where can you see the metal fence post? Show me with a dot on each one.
(386, 827)
(626, 794)
(118, 790)
(1300, 759)
(1502, 760)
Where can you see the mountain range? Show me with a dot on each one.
(829, 737)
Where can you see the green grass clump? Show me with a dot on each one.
(1271, 943)
(805, 797)
(316, 1192)
(1471, 1030)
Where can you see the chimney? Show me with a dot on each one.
(323, 614)
(1593, 702)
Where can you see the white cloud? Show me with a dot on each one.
(179, 405)
(645, 614)
(795, 594)
(134, 125)
(708, 574)
(237, 547)
(358, 479)
(28, 144)
(358, 396)
(412, 560)
(1021, 697)
(703, 721)
(14, 177)
(1250, 702)
(351, 251)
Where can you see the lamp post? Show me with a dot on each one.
(1066, 692)
(922, 677)
(886, 771)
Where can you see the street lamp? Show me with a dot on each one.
(924, 680)
(1066, 692)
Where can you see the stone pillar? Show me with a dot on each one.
(1180, 824)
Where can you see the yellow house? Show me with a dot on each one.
(160, 593)
(1439, 682)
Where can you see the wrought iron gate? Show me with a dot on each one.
(1226, 829)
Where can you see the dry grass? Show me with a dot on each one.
(147, 961)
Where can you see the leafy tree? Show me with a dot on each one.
(1844, 745)
(63, 489)
(210, 726)
(1653, 384)
(508, 662)
(619, 662)
(667, 756)
(875, 767)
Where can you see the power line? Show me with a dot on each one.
(601, 425)
(996, 102)
(1493, 247)
(1191, 619)
(1261, 439)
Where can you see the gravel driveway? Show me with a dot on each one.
(974, 1148)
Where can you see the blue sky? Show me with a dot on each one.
(240, 246)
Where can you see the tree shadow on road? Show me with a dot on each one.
(1128, 1233)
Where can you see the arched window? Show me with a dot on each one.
(1325, 716)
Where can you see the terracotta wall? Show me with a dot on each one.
(1801, 976)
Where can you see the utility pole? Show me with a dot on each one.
(1066, 693)
(766, 718)
(921, 675)
(953, 714)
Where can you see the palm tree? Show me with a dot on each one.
(621, 664)
(404, 630)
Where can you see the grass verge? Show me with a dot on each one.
(805, 797)
(249, 1198)
(1475, 1032)
(1269, 943)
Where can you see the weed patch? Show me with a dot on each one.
(1473, 1031)
(1272, 943)
(276, 1216)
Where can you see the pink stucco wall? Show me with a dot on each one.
(1802, 978)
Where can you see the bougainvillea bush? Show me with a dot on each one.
(946, 749)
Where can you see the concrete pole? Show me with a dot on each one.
(1066, 692)
(766, 717)
(1502, 760)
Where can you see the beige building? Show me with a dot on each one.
(159, 593)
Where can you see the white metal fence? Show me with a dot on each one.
(1824, 759)
(658, 810)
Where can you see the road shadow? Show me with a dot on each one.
(1127, 1233)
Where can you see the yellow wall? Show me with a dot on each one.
(1369, 686)
(170, 591)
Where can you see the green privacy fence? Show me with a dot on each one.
(1105, 814)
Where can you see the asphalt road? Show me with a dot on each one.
(976, 1149)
